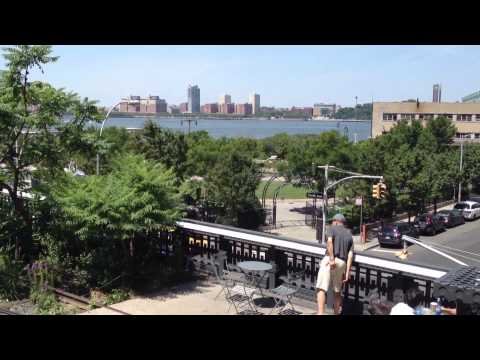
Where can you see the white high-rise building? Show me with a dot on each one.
(255, 101)
(225, 99)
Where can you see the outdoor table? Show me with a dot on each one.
(255, 267)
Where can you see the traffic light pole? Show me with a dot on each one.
(328, 187)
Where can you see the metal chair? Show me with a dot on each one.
(282, 295)
(238, 296)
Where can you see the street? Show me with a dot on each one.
(461, 242)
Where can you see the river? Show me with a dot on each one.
(252, 128)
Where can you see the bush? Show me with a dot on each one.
(116, 296)
(13, 284)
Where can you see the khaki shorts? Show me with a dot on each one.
(327, 276)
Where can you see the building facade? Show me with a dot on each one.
(150, 105)
(324, 110)
(243, 109)
(173, 109)
(437, 93)
(472, 98)
(255, 101)
(225, 99)
(465, 116)
(226, 108)
(193, 94)
(210, 108)
(301, 111)
(183, 107)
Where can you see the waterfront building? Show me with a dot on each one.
(193, 94)
(173, 109)
(301, 111)
(183, 107)
(243, 109)
(136, 104)
(472, 98)
(255, 101)
(210, 108)
(227, 108)
(225, 99)
(465, 116)
(437, 93)
(324, 110)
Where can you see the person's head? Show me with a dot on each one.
(414, 297)
(338, 219)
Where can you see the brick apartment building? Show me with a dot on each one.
(150, 105)
(209, 108)
(183, 107)
(226, 108)
(243, 109)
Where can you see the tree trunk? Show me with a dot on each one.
(435, 205)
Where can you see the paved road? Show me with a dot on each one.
(461, 242)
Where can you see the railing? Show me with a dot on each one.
(206, 240)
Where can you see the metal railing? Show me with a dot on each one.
(206, 240)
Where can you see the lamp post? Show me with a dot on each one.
(328, 186)
(101, 130)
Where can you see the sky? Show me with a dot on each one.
(284, 76)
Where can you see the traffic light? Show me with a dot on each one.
(376, 191)
(383, 190)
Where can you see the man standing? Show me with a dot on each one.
(336, 264)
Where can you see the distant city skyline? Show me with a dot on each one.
(284, 76)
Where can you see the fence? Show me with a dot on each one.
(205, 241)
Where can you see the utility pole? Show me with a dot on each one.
(461, 165)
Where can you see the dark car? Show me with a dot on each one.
(391, 234)
(451, 218)
(429, 224)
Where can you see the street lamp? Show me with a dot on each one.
(101, 130)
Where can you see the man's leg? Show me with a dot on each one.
(321, 299)
(323, 282)
(338, 285)
(337, 306)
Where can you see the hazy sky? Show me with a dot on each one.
(284, 76)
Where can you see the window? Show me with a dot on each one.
(407, 116)
(389, 117)
(426, 116)
(477, 117)
(448, 116)
(464, 117)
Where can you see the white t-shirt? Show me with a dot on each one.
(402, 309)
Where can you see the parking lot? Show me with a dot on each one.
(462, 242)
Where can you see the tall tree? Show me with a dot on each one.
(231, 185)
(34, 138)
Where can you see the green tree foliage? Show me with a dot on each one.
(105, 219)
(168, 147)
(29, 112)
(231, 186)
(364, 112)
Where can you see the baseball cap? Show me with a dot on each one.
(339, 217)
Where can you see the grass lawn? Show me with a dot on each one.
(287, 192)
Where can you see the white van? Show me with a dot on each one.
(471, 209)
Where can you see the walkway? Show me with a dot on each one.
(194, 298)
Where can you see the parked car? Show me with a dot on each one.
(451, 218)
(429, 224)
(471, 209)
(391, 234)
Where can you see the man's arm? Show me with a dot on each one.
(330, 251)
(349, 266)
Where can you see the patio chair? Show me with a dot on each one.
(236, 295)
(282, 295)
